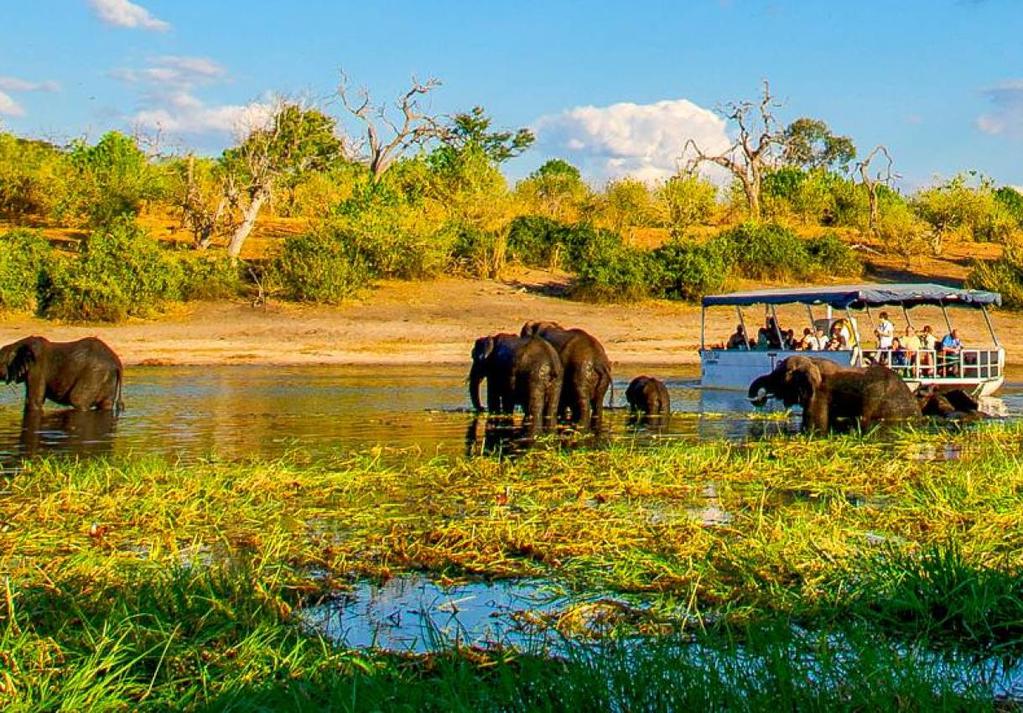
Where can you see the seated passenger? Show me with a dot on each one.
(928, 345)
(763, 340)
(840, 332)
(790, 339)
(738, 340)
(911, 345)
(774, 338)
(899, 357)
(808, 342)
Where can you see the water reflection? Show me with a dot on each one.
(265, 411)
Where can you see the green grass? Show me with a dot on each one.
(143, 583)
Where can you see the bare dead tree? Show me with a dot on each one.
(871, 183)
(200, 215)
(752, 151)
(386, 139)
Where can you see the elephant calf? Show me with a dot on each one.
(520, 371)
(648, 396)
(83, 374)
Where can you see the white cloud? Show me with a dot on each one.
(121, 13)
(169, 102)
(13, 84)
(9, 107)
(1006, 118)
(644, 141)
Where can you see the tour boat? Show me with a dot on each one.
(979, 370)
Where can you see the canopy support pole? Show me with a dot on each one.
(905, 313)
(991, 329)
(742, 321)
(809, 311)
(777, 329)
(944, 312)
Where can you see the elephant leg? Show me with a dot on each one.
(493, 397)
(552, 395)
(35, 393)
(815, 415)
(603, 382)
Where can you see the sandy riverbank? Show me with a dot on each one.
(435, 322)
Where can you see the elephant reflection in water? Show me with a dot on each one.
(83, 433)
(486, 436)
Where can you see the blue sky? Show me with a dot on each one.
(614, 87)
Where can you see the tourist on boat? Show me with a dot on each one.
(738, 340)
(808, 343)
(822, 339)
(951, 347)
(900, 359)
(928, 345)
(790, 340)
(911, 345)
(885, 332)
(840, 332)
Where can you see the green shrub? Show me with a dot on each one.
(208, 276)
(25, 261)
(686, 201)
(1011, 200)
(833, 257)
(764, 252)
(33, 176)
(481, 253)
(689, 270)
(1004, 275)
(112, 179)
(393, 235)
(900, 231)
(322, 265)
(120, 272)
(536, 241)
(607, 270)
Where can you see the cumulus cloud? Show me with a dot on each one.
(644, 141)
(1006, 117)
(167, 95)
(9, 107)
(121, 13)
(13, 84)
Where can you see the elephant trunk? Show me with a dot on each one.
(758, 390)
(475, 377)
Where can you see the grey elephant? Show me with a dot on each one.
(84, 374)
(832, 395)
(587, 370)
(953, 404)
(648, 396)
(520, 371)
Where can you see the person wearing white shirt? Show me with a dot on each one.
(885, 332)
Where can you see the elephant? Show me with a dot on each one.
(587, 370)
(520, 371)
(83, 374)
(648, 396)
(82, 433)
(954, 404)
(830, 393)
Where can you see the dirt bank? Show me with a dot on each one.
(434, 323)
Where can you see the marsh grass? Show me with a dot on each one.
(173, 585)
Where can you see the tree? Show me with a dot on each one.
(203, 194)
(555, 190)
(416, 127)
(472, 128)
(114, 178)
(752, 151)
(871, 183)
(686, 201)
(295, 141)
(809, 144)
(627, 202)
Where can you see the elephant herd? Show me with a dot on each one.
(835, 397)
(553, 373)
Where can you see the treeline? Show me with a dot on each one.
(435, 200)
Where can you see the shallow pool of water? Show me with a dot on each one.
(267, 411)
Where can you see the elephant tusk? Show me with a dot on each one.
(760, 398)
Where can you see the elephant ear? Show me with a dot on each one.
(25, 355)
(805, 379)
(483, 348)
(529, 329)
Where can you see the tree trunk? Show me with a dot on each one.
(875, 217)
(248, 221)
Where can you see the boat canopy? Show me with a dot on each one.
(860, 296)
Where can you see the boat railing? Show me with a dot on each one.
(937, 364)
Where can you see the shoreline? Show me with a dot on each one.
(434, 323)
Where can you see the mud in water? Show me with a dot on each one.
(264, 411)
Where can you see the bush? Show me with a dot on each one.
(689, 270)
(686, 201)
(536, 241)
(320, 266)
(1011, 200)
(609, 271)
(120, 272)
(206, 276)
(25, 261)
(764, 252)
(32, 177)
(392, 236)
(112, 179)
(833, 257)
(481, 253)
(900, 231)
(957, 208)
(1004, 275)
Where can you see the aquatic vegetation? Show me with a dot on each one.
(143, 581)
